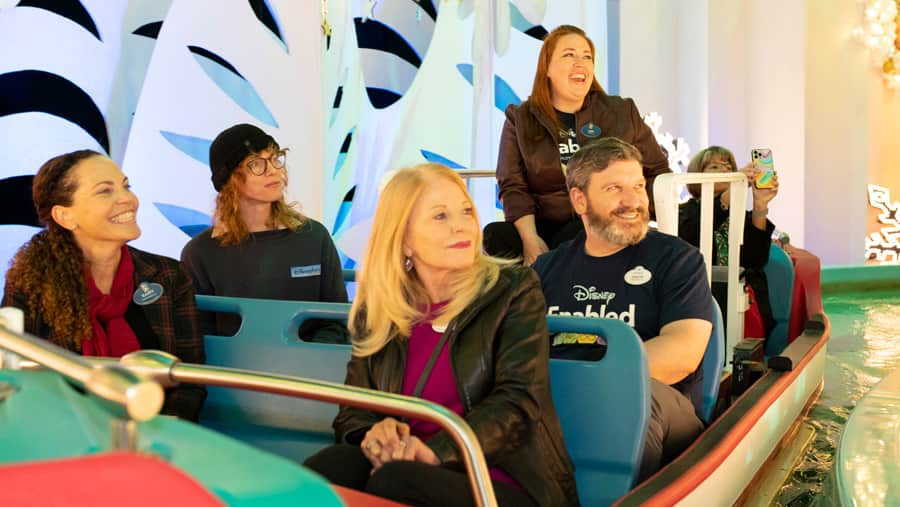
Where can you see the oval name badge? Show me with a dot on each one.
(590, 129)
(147, 293)
(639, 275)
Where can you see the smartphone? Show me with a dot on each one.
(762, 159)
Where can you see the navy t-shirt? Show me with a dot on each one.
(660, 280)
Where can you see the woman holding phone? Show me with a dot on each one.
(758, 228)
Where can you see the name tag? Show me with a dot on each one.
(304, 271)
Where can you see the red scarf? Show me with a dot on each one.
(112, 336)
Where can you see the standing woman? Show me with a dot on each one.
(259, 246)
(566, 109)
(435, 318)
(82, 288)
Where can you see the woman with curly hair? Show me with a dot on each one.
(259, 246)
(82, 288)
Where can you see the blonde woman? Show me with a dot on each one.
(259, 246)
(435, 318)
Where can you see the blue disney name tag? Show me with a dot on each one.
(147, 293)
(590, 129)
(305, 271)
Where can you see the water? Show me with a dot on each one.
(865, 329)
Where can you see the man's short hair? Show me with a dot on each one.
(596, 157)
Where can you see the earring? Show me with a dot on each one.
(407, 264)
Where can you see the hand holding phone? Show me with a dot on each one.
(762, 161)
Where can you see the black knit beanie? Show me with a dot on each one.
(232, 146)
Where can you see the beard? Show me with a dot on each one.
(612, 230)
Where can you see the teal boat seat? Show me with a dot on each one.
(267, 341)
(45, 418)
(712, 365)
(603, 407)
(780, 277)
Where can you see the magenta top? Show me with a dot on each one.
(441, 384)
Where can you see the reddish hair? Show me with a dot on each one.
(540, 98)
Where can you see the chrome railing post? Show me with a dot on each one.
(121, 392)
(330, 392)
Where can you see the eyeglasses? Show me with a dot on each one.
(257, 166)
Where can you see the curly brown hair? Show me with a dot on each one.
(49, 268)
(228, 226)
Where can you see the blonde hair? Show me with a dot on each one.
(389, 299)
(228, 226)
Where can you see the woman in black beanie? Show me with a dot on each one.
(259, 246)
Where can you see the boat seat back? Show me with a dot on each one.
(603, 407)
(780, 278)
(712, 364)
(267, 341)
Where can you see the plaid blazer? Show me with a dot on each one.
(172, 318)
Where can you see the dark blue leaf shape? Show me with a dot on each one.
(150, 30)
(503, 93)
(28, 91)
(428, 7)
(336, 104)
(344, 211)
(190, 221)
(195, 147)
(342, 154)
(227, 77)
(70, 9)
(373, 34)
(381, 98)
(439, 159)
(390, 64)
(523, 25)
(16, 206)
(266, 15)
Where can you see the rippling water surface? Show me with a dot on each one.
(864, 347)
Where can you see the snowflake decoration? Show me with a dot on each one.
(884, 245)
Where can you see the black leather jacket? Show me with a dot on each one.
(499, 351)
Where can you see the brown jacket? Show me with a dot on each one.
(529, 172)
(168, 324)
(499, 351)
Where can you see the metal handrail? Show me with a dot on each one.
(165, 367)
(120, 391)
(476, 173)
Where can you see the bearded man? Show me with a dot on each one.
(656, 283)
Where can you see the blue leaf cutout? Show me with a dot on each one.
(342, 154)
(227, 77)
(27, 91)
(438, 159)
(503, 93)
(150, 30)
(343, 211)
(71, 9)
(195, 147)
(518, 21)
(190, 221)
(267, 16)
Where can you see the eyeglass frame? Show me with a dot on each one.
(272, 159)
